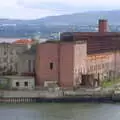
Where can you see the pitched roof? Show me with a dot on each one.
(23, 41)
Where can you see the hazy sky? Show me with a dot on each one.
(31, 9)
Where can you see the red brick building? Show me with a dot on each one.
(79, 58)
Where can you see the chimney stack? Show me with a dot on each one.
(103, 25)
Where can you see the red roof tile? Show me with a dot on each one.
(23, 41)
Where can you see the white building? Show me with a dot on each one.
(22, 82)
(17, 82)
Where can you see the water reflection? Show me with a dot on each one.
(60, 112)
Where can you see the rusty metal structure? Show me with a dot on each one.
(97, 42)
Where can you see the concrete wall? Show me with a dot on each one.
(9, 56)
(116, 63)
(30, 94)
(23, 63)
(80, 65)
(31, 83)
(99, 64)
(104, 63)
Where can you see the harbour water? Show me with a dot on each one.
(57, 111)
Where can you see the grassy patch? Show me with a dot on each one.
(107, 83)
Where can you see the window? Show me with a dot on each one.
(11, 60)
(4, 67)
(103, 66)
(29, 65)
(94, 67)
(107, 65)
(51, 65)
(12, 52)
(5, 59)
(17, 84)
(5, 52)
(91, 68)
(99, 67)
(16, 66)
(26, 84)
(33, 66)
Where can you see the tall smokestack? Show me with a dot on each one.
(103, 25)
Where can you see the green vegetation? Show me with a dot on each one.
(5, 83)
(33, 48)
(110, 83)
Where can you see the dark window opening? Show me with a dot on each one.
(51, 66)
(17, 84)
(5, 52)
(26, 83)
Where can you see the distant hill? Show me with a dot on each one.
(47, 25)
(77, 18)
(84, 18)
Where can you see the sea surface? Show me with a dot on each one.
(57, 111)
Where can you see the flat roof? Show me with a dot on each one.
(62, 42)
(91, 34)
(17, 77)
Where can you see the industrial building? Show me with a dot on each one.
(17, 57)
(79, 58)
(9, 56)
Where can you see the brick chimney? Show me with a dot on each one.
(103, 25)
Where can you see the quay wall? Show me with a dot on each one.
(28, 94)
(50, 96)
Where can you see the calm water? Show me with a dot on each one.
(50, 111)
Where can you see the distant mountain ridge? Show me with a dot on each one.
(86, 18)
(54, 24)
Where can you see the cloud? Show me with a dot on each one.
(31, 9)
(48, 5)
(17, 11)
(73, 3)
(71, 6)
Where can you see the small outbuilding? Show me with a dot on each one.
(17, 82)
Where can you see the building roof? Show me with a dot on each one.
(17, 77)
(97, 42)
(23, 41)
(4, 43)
(87, 34)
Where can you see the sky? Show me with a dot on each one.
(34, 9)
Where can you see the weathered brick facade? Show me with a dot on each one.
(79, 54)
